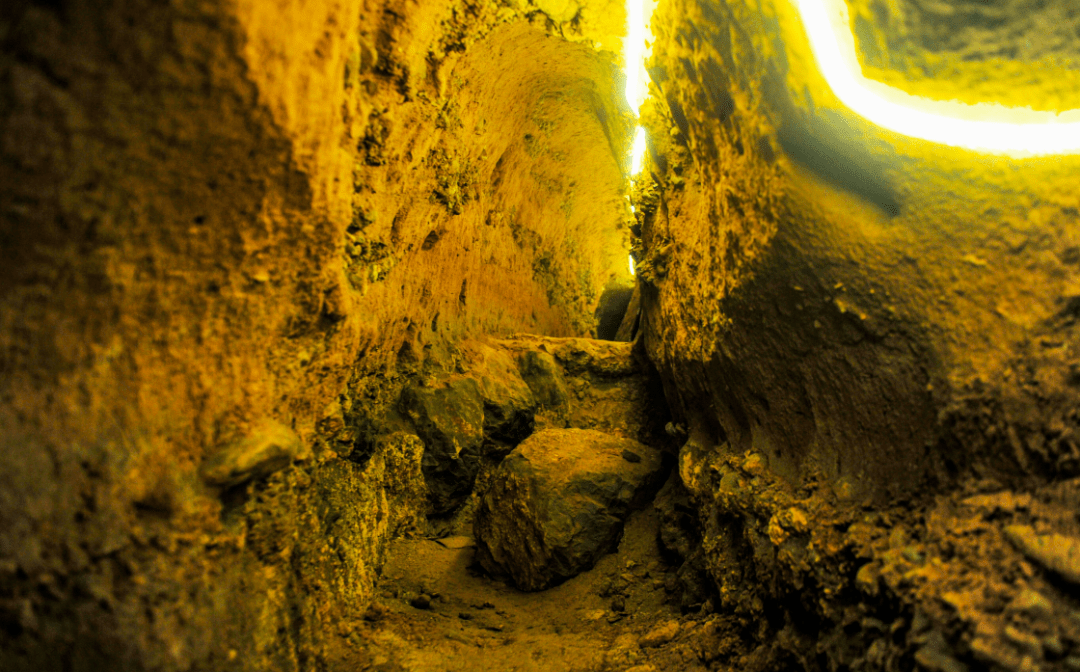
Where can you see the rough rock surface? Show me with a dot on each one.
(795, 299)
(449, 419)
(545, 379)
(509, 403)
(679, 539)
(558, 502)
(1056, 552)
(590, 623)
(497, 392)
(591, 384)
(973, 50)
(271, 446)
(660, 635)
(611, 311)
(465, 418)
(859, 329)
(212, 213)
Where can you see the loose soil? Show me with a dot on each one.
(599, 620)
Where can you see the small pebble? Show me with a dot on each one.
(660, 635)
(421, 602)
(1033, 602)
(603, 589)
(458, 638)
(375, 612)
(618, 603)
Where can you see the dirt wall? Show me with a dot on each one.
(217, 215)
(972, 51)
(859, 330)
(801, 262)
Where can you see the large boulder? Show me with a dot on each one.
(450, 420)
(509, 404)
(558, 502)
(484, 412)
(544, 377)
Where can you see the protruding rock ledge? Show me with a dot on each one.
(269, 447)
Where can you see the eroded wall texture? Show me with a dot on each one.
(233, 232)
(870, 338)
(244, 222)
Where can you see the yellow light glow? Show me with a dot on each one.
(636, 49)
(637, 153)
(986, 127)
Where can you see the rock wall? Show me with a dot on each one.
(232, 233)
(869, 310)
(860, 330)
(974, 51)
(223, 217)
(502, 391)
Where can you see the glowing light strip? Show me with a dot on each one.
(985, 127)
(636, 50)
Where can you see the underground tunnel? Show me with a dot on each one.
(540, 335)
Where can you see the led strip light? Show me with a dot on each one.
(986, 127)
(636, 50)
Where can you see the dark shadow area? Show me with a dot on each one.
(610, 311)
(839, 165)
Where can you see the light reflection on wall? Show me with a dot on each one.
(637, 153)
(985, 127)
(636, 50)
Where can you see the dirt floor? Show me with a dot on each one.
(437, 611)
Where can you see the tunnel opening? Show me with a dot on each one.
(538, 335)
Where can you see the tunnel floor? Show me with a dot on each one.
(620, 615)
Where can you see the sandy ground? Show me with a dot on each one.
(616, 616)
